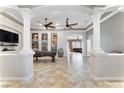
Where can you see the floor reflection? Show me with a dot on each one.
(75, 63)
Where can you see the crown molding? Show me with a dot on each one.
(26, 11)
(11, 18)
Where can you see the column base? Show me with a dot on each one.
(97, 56)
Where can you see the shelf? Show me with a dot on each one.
(8, 50)
(8, 45)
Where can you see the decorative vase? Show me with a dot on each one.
(60, 52)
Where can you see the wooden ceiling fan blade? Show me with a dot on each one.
(52, 26)
(73, 24)
(50, 23)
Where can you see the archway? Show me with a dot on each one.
(74, 45)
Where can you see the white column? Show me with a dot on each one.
(49, 41)
(84, 47)
(26, 31)
(68, 51)
(97, 55)
(26, 55)
(96, 29)
(39, 41)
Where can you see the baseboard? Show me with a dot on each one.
(17, 78)
(107, 78)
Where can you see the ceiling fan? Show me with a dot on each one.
(47, 24)
(70, 25)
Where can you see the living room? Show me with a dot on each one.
(59, 30)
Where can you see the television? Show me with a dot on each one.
(9, 37)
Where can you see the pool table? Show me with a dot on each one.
(51, 54)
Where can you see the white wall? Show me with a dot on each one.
(11, 26)
(107, 66)
(89, 36)
(62, 38)
(16, 66)
(112, 33)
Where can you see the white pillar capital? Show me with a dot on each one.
(26, 15)
(97, 13)
(25, 12)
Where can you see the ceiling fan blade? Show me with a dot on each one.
(52, 26)
(69, 25)
(73, 24)
(50, 23)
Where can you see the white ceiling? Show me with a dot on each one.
(58, 15)
(80, 14)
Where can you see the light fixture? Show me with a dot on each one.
(57, 24)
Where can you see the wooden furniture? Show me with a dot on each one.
(52, 54)
(77, 50)
(116, 51)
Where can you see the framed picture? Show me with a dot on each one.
(35, 41)
(53, 41)
(44, 41)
